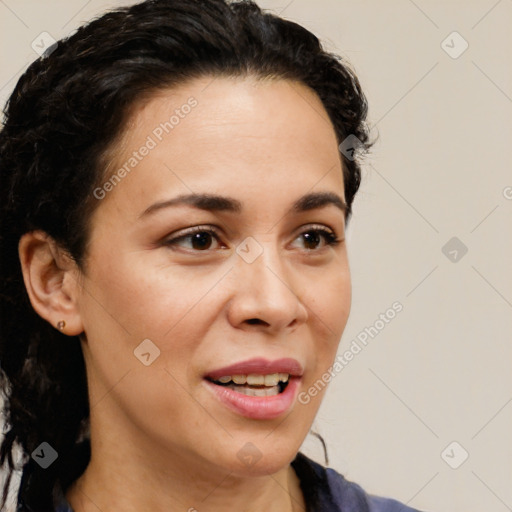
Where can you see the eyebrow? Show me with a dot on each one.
(213, 202)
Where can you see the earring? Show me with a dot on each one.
(61, 325)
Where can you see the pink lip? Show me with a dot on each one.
(256, 407)
(259, 366)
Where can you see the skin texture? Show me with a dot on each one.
(160, 439)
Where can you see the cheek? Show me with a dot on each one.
(341, 300)
(328, 297)
(328, 305)
(127, 303)
(157, 398)
(131, 301)
(147, 298)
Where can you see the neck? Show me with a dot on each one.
(121, 478)
(108, 492)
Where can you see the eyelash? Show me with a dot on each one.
(329, 236)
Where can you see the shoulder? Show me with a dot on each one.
(327, 490)
(353, 498)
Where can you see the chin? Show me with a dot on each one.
(262, 459)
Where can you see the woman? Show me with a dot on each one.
(174, 270)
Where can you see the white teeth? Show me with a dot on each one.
(247, 390)
(256, 380)
(253, 379)
(239, 379)
(272, 380)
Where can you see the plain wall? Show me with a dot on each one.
(440, 371)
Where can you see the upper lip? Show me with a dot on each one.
(259, 366)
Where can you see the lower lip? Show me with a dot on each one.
(257, 407)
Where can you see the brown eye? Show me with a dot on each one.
(201, 240)
(313, 238)
(198, 239)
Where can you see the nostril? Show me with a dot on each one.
(254, 321)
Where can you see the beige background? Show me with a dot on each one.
(440, 371)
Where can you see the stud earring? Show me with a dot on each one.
(61, 325)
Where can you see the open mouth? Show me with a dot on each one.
(253, 384)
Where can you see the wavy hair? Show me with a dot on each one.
(62, 118)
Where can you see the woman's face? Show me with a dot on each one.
(257, 283)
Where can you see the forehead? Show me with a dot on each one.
(245, 135)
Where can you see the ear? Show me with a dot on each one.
(52, 280)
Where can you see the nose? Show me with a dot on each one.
(264, 297)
